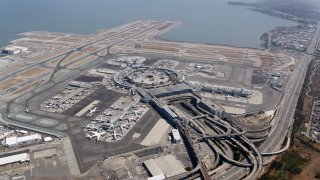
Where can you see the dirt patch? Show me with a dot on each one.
(83, 61)
(33, 72)
(268, 61)
(50, 55)
(11, 68)
(160, 48)
(251, 120)
(103, 52)
(9, 83)
(90, 49)
(232, 55)
(29, 87)
(312, 168)
(74, 56)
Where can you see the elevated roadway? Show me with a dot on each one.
(284, 117)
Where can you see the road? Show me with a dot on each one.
(284, 117)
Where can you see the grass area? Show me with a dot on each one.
(289, 164)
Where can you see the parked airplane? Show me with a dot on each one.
(115, 107)
(94, 134)
(115, 135)
(27, 110)
(56, 97)
(107, 113)
(99, 120)
(132, 91)
(51, 103)
(132, 119)
(122, 126)
(227, 97)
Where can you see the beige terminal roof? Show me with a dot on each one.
(153, 167)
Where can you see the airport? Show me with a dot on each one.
(125, 104)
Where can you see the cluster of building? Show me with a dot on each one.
(15, 53)
(292, 38)
(313, 127)
(200, 69)
(15, 139)
(166, 64)
(277, 81)
(127, 61)
(233, 92)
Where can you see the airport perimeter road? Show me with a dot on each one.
(284, 117)
(287, 107)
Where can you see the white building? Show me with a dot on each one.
(47, 139)
(176, 136)
(13, 141)
(14, 158)
(14, 50)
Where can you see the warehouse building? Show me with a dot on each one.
(23, 157)
(14, 50)
(14, 141)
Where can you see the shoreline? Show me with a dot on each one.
(206, 43)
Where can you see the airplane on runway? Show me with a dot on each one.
(92, 111)
(26, 110)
